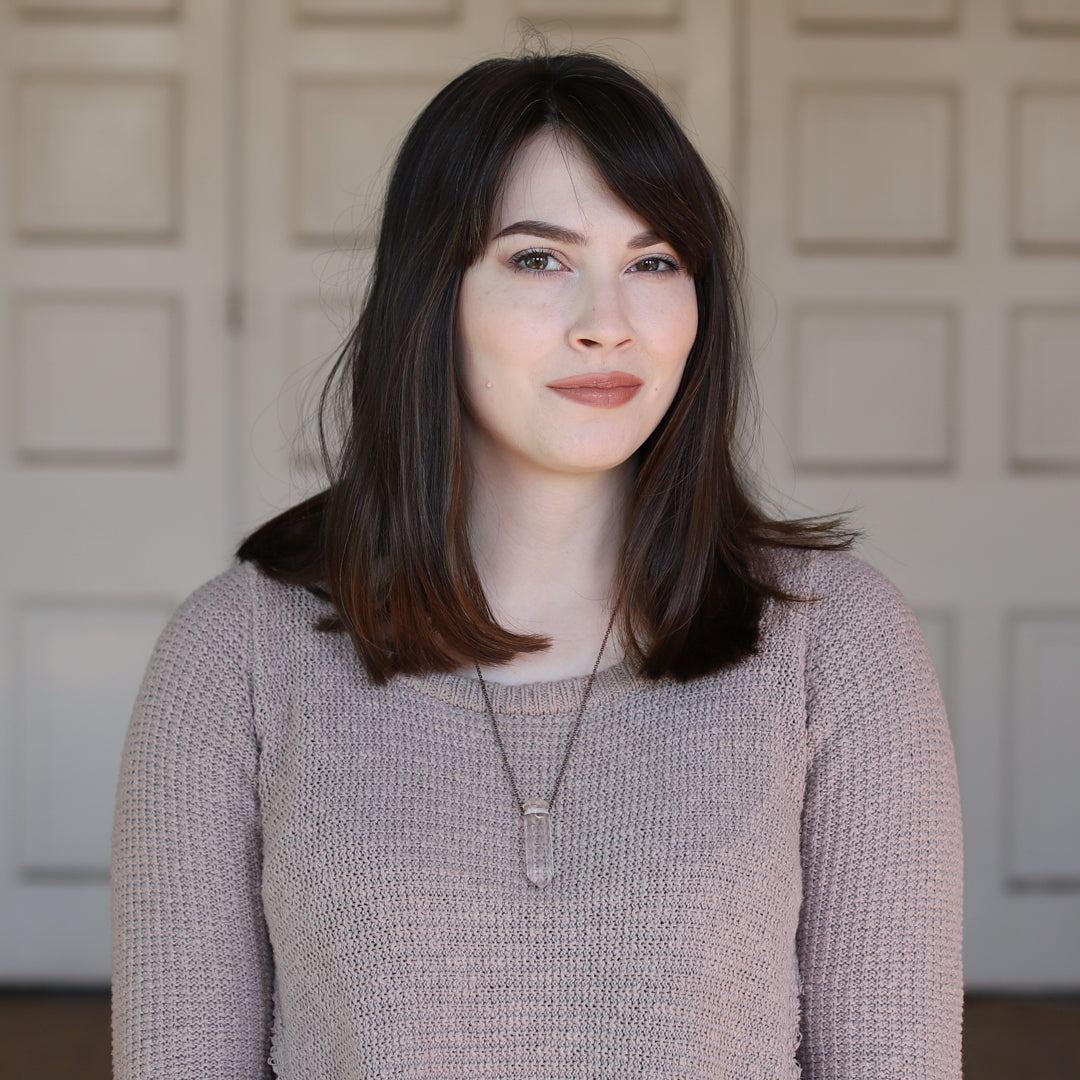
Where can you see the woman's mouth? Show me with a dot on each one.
(600, 389)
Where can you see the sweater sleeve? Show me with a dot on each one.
(880, 927)
(192, 978)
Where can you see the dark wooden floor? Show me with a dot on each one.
(65, 1036)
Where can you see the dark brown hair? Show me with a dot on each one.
(387, 541)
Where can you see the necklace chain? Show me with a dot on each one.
(573, 730)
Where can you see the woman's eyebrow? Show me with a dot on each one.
(562, 235)
(545, 229)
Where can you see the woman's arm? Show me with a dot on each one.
(192, 975)
(879, 937)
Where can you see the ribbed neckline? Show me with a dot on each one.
(528, 699)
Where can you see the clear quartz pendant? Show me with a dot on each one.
(539, 868)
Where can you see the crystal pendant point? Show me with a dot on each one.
(539, 866)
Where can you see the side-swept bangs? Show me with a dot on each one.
(387, 542)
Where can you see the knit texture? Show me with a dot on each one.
(757, 874)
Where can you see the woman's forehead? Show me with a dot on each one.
(551, 178)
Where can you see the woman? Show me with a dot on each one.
(532, 746)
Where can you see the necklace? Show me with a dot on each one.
(536, 813)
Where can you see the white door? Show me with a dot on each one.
(911, 188)
(117, 497)
(186, 222)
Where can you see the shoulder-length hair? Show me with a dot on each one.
(387, 541)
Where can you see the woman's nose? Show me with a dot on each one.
(602, 324)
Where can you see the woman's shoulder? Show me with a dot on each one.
(226, 595)
(834, 579)
(214, 619)
(240, 605)
(860, 630)
(844, 610)
(222, 651)
(244, 587)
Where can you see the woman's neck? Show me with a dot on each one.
(546, 547)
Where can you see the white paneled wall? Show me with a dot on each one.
(186, 220)
(116, 461)
(912, 198)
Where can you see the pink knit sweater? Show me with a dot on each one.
(756, 873)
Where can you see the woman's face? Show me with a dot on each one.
(575, 323)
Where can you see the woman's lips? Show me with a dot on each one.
(601, 389)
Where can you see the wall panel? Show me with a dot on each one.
(881, 15)
(1046, 163)
(873, 388)
(67, 188)
(98, 8)
(616, 11)
(97, 378)
(1047, 16)
(1044, 402)
(1045, 747)
(81, 663)
(874, 167)
(345, 131)
(376, 10)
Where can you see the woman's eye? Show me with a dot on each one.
(652, 264)
(536, 261)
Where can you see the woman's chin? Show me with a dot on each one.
(594, 463)
(594, 455)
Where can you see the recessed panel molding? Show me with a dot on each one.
(97, 158)
(80, 666)
(1044, 402)
(873, 168)
(346, 132)
(91, 9)
(1046, 169)
(612, 11)
(884, 15)
(1044, 747)
(96, 379)
(873, 388)
(376, 10)
(1047, 16)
